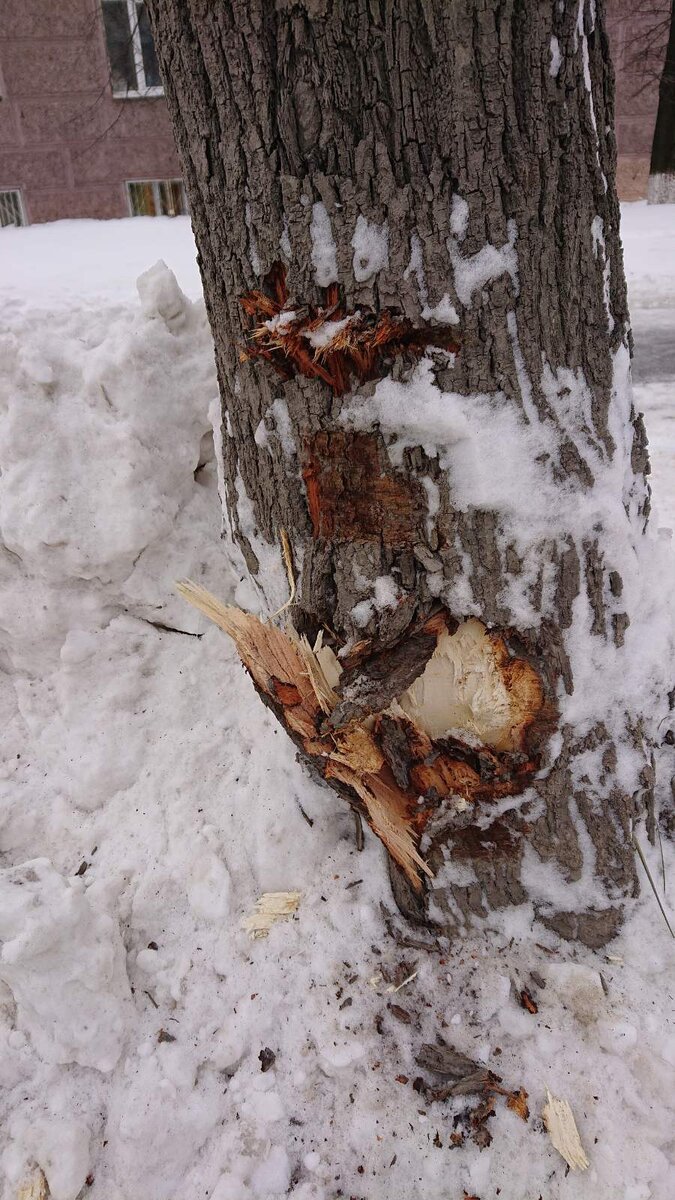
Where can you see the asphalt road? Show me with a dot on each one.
(654, 334)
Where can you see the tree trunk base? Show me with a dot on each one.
(661, 188)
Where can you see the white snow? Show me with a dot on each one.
(556, 57)
(371, 248)
(599, 250)
(133, 1006)
(63, 960)
(459, 217)
(283, 426)
(648, 233)
(66, 263)
(324, 250)
(416, 267)
(473, 271)
(324, 334)
(444, 313)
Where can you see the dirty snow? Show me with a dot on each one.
(149, 800)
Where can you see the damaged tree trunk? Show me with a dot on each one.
(408, 234)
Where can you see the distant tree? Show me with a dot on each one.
(368, 183)
(662, 166)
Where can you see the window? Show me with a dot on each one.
(156, 198)
(131, 51)
(11, 209)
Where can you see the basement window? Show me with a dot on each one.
(11, 208)
(134, 70)
(156, 198)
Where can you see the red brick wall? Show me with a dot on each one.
(64, 139)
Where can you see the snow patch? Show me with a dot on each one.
(324, 334)
(473, 272)
(443, 313)
(600, 251)
(162, 298)
(459, 217)
(416, 267)
(556, 57)
(283, 426)
(371, 248)
(324, 252)
(63, 960)
(59, 1146)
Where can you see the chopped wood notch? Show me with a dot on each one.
(462, 733)
(326, 341)
(354, 496)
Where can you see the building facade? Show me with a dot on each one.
(84, 130)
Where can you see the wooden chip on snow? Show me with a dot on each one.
(517, 1102)
(562, 1130)
(35, 1188)
(271, 907)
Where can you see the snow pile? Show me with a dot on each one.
(149, 1047)
(63, 961)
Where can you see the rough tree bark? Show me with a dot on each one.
(448, 165)
(661, 188)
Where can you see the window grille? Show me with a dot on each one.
(156, 198)
(11, 208)
(131, 52)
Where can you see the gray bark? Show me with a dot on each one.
(386, 110)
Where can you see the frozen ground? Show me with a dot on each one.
(148, 799)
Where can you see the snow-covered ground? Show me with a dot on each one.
(149, 799)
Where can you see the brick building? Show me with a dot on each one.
(84, 130)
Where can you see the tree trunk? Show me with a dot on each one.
(661, 188)
(389, 176)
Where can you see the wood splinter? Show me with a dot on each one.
(326, 341)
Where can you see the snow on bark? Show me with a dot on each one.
(661, 188)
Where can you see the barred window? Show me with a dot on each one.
(11, 208)
(131, 51)
(156, 197)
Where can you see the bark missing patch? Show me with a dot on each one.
(354, 496)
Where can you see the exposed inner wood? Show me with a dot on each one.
(328, 342)
(472, 683)
(455, 738)
(353, 496)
